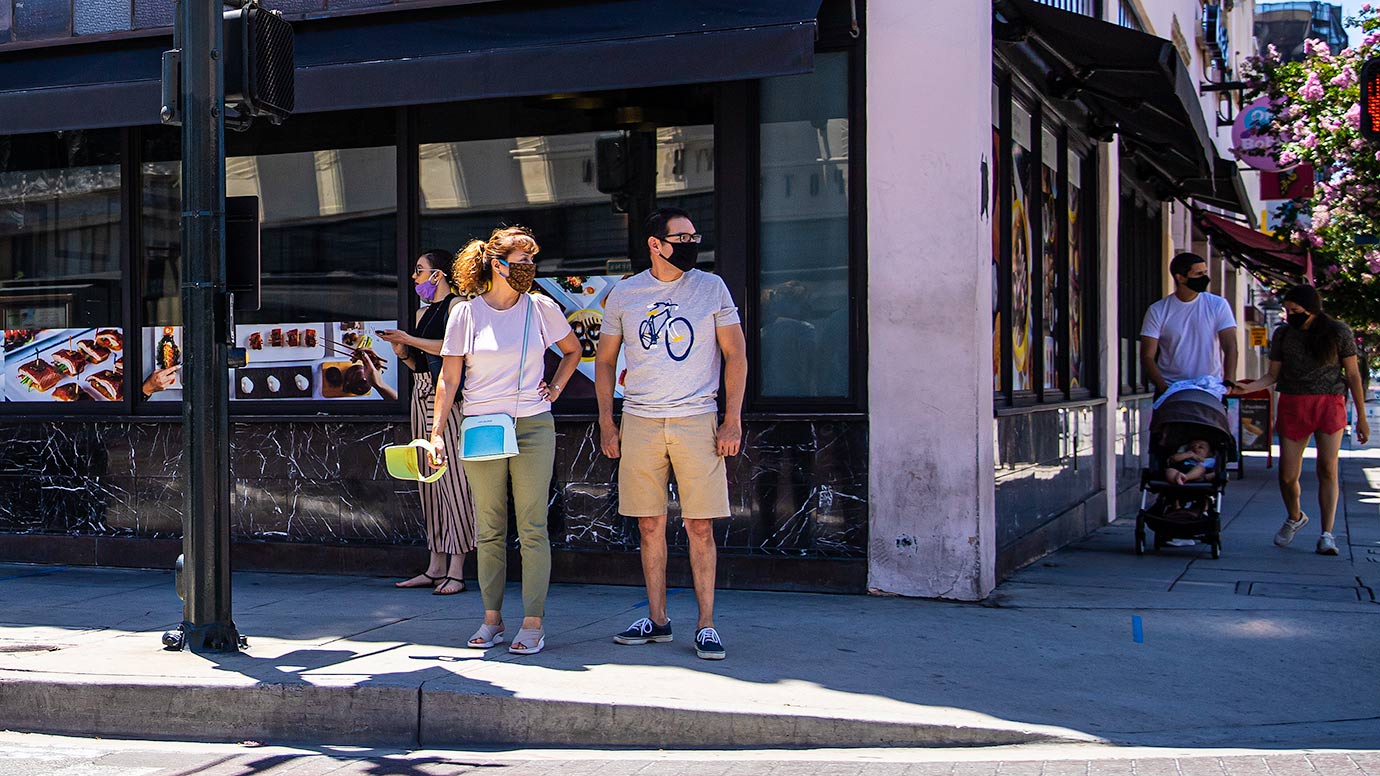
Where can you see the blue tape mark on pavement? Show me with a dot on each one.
(1137, 629)
(42, 573)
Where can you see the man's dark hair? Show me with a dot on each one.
(1181, 264)
(657, 221)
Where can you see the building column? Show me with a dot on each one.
(1109, 314)
(929, 136)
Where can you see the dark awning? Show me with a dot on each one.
(450, 54)
(1272, 260)
(1224, 189)
(1131, 83)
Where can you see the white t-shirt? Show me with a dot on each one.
(670, 341)
(1187, 332)
(491, 342)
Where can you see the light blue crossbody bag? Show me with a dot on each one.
(494, 436)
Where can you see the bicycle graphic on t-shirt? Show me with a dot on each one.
(662, 323)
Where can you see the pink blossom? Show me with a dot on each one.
(1373, 261)
(1315, 240)
(1272, 53)
(1309, 140)
(1366, 7)
(1321, 217)
(1287, 157)
(1312, 90)
(1345, 78)
(1353, 116)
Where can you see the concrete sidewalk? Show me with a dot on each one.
(1262, 648)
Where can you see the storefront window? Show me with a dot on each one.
(549, 183)
(328, 252)
(1078, 377)
(806, 314)
(1022, 246)
(1049, 258)
(60, 263)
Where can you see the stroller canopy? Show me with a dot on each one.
(1192, 414)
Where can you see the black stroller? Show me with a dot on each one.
(1192, 510)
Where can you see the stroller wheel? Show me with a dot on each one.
(1217, 549)
(1140, 542)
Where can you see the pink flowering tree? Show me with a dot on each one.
(1318, 122)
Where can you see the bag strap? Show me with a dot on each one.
(522, 362)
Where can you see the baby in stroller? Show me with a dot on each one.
(1194, 461)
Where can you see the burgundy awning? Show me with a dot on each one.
(1262, 255)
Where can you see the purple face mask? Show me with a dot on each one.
(427, 290)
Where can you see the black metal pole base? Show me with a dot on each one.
(216, 638)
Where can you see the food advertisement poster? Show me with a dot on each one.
(1022, 239)
(63, 365)
(1076, 378)
(1049, 209)
(343, 360)
(286, 361)
(582, 297)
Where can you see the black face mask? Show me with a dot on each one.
(1297, 320)
(684, 255)
(1199, 284)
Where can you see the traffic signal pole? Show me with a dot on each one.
(207, 625)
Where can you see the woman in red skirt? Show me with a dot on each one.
(1313, 364)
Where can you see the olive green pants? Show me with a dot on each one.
(530, 472)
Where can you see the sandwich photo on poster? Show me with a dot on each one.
(64, 365)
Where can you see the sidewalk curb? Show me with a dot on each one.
(412, 717)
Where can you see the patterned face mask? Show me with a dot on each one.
(520, 276)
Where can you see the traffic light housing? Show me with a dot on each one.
(259, 69)
(259, 77)
(1370, 99)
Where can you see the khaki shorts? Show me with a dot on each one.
(654, 447)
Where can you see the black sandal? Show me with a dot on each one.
(444, 580)
(431, 582)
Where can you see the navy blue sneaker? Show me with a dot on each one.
(708, 645)
(644, 631)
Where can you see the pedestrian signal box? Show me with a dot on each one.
(1370, 99)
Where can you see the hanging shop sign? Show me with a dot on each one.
(1251, 147)
(1296, 183)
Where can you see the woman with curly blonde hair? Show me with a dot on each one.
(497, 341)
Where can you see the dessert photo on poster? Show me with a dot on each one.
(63, 365)
(582, 298)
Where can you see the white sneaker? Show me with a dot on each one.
(1287, 531)
(1326, 544)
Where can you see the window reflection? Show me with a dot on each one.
(60, 230)
(548, 183)
(328, 234)
(806, 318)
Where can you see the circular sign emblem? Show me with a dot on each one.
(1252, 148)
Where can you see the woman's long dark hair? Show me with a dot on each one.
(1321, 339)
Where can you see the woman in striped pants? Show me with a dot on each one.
(446, 503)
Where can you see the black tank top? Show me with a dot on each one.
(432, 326)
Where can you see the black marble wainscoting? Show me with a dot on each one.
(1046, 482)
(315, 497)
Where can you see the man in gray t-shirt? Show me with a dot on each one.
(679, 324)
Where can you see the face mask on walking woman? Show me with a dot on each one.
(520, 276)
